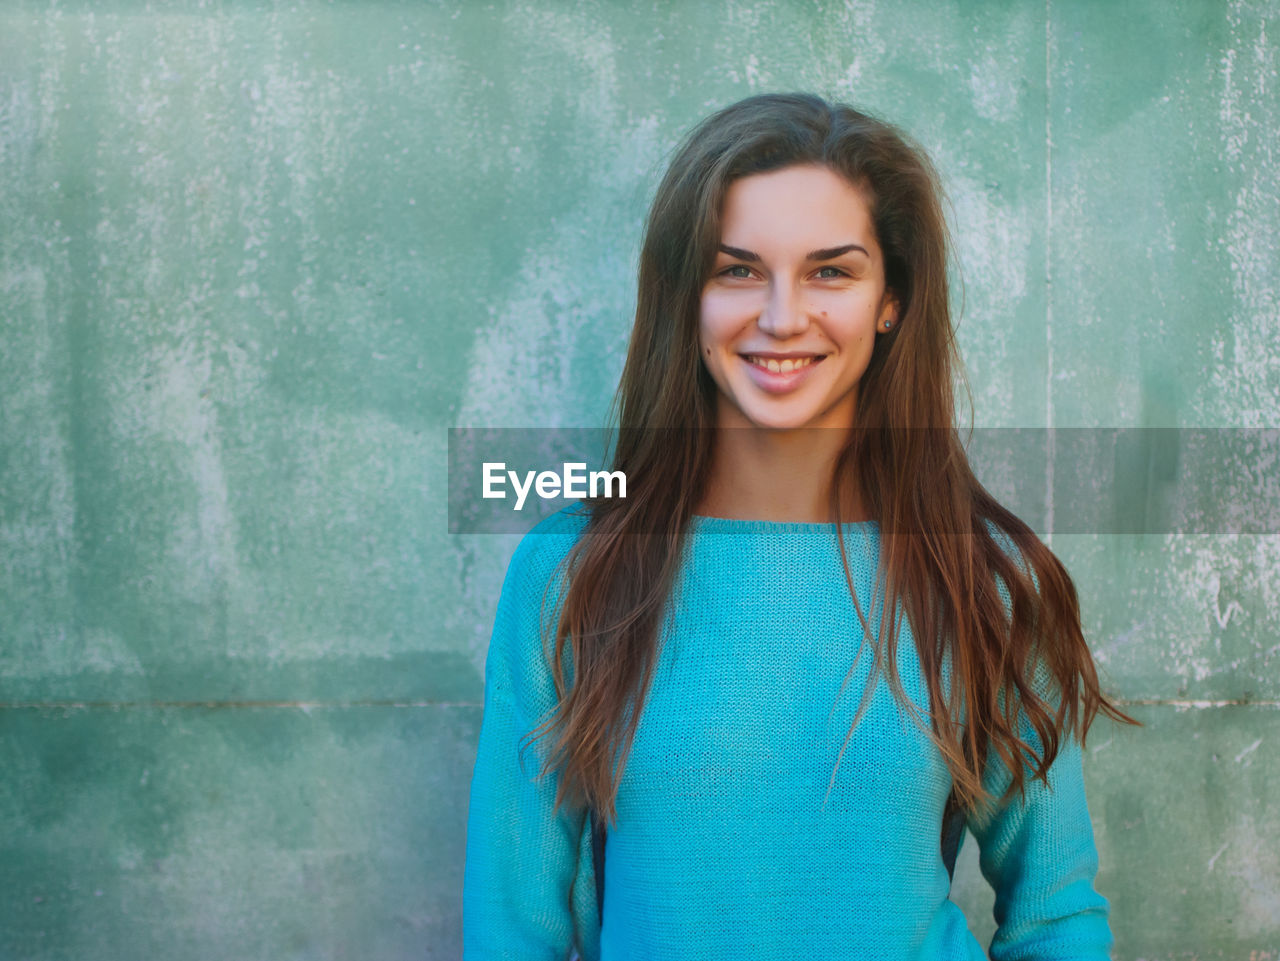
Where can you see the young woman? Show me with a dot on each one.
(808, 650)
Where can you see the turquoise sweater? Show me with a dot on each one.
(728, 844)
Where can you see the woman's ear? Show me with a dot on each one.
(888, 318)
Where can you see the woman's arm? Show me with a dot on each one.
(1039, 856)
(522, 858)
(1038, 852)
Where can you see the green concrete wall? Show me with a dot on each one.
(256, 258)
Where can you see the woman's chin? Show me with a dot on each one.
(780, 423)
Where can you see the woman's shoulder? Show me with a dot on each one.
(531, 595)
(541, 552)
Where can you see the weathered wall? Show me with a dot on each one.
(255, 258)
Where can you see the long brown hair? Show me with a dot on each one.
(949, 549)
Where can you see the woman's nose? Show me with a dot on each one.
(784, 315)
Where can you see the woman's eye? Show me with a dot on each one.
(737, 270)
(829, 273)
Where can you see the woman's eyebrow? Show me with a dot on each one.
(827, 253)
(831, 253)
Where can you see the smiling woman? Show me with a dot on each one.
(783, 318)
(679, 663)
(788, 320)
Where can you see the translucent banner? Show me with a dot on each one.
(1058, 480)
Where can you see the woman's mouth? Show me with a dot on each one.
(779, 375)
(784, 366)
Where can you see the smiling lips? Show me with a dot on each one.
(780, 374)
(781, 365)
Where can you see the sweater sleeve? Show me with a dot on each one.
(1037, 850)
(1038, 854)
(522, 857)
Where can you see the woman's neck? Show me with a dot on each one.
(782, 475)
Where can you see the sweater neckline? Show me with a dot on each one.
(734, 525)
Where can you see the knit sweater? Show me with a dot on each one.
(732, 839)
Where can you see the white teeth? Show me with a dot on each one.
(781, 367)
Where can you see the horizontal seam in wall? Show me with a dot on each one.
(1196, 702)
(300, 705)
(322, 705)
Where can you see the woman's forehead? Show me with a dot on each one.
(801, 204)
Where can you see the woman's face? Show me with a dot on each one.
(795, 301)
